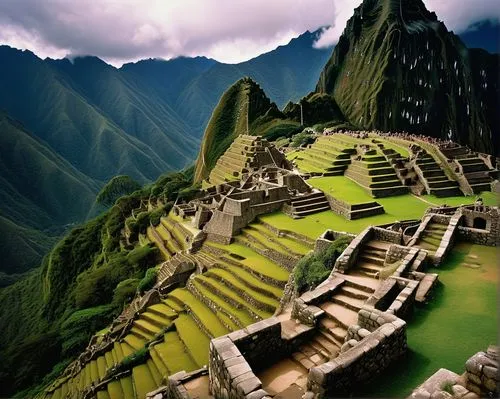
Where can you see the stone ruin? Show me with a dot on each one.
(245, 155)
(480, 380)
(222, 211)
(372, 341)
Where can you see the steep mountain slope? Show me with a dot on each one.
(286, 74)
(396, 67)
(58, 109)
(136, 108)
(51, 313)
(243, 109)
(39, 190)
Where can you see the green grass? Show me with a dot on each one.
(127, 387)
(143, 380)
(204, 314)
(240, 314)
(273, 293)
(193, 338)
(341, 188)
(221, 289)
(403, 207)
(458, 322)
(255, 261)
(174, 354)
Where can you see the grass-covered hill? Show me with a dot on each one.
(243, 109)
(397, 67)
(48, 316)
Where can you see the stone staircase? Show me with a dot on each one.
(430, 238)
(375, 174)
(326, 156)
(246, 153)
(477, 173)
(307, 204)
(434, 178)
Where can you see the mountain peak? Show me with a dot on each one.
(396, 67)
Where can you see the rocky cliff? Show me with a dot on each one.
(397, 67)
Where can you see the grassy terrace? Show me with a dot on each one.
(397, 208)
(255, 261)
(456, 324)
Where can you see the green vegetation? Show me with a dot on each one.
(301, 139)
(148, 281)
(235, 114)
(82, 285)
(456, 324)
(403, 207)
(312, 269)
(117, 187)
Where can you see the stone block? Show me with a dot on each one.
(256, 394)
(237, 335)
(238, 369)
(420, 394)
(459, 390)
(249, 385)
(490, 372)
(441, 395)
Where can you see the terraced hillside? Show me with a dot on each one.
(240, 286)
(326, 156)
(244, 154)
(367, 163)
(478, 169)
(434, 178)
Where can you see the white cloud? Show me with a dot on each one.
(227, 30)
(456, 16)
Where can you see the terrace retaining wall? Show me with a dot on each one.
(375, 350)
(235, 356)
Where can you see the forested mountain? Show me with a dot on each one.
(96, 121)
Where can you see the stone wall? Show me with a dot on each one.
(448, 237)
(304, 308)
(395, 237)
(234, 357)
(324, 240)
(339, 207)
(348, 257)
(490, 235)
(382, 339)
(482, 373)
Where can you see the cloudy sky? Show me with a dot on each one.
(227, 30)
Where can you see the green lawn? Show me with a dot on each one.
(459, 321)
(402, 207)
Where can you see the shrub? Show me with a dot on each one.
(124, 292)
(148, 281)
(301, 139)
(79, 327)
(115, 188)
(312, 269)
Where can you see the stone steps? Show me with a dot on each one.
(446, 192)
(343, 316)
(348, 302)
(480, 187)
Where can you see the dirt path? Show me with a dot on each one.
(424, 200)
